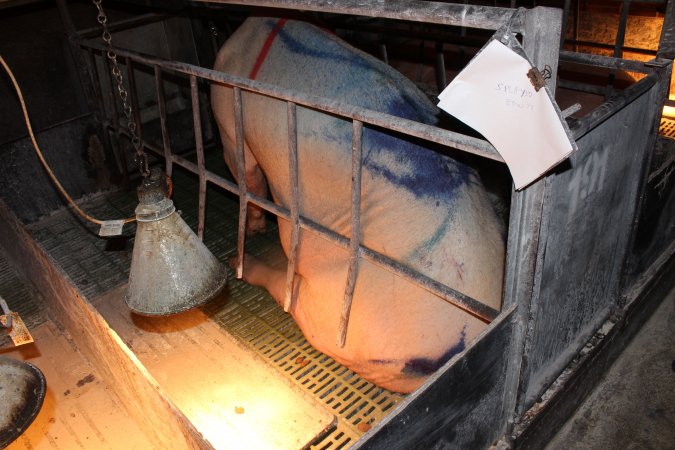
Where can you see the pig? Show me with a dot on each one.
(419, 207)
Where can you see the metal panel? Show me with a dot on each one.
(459, 406)
(588, 222)
(667, 42)
(525, 220)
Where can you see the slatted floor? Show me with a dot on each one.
(667, 127)
(97, 266)
(79, 411)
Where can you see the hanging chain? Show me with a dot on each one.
(141, 158)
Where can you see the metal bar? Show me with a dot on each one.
(223, 183)
(541, 42)
(125, 24)
(471, 16)
(114, 117)
(134, 97)
(582, 87)
(447, 36)
(440, 67)
(199, 146)
(618, 44)
(90, 61)
(188, 165)
(446, 293)
(161, 106)
(611, 106)
(182, 162)
(667, 39)
(565, 20)
(603, 61)
(383, 53)
(355, 238)
(429, 133)
(642, 51)
(241, 179)
(295, 203)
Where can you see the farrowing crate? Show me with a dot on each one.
(571, 238)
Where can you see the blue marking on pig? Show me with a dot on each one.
(424, 366)
(317, 45)
(402, 162)
(420, 253)
(430, 174)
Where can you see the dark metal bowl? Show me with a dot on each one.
(22, 391)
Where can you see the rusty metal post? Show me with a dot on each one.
(199, 146)
(295, 203)
(355, 237)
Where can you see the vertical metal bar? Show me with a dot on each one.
(134, 97)
(113, 98)
(383, 53)
(577, 13)
(618, 44)
(90, 61)
(199, 146)
(161, 106)
(241, 175)
(355, 238)
(114, 118)
(667, 40)
(527, 224)
(565, 22)
(440, 67)
(93, 71)
(295, 203)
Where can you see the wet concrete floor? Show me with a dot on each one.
(634, 405)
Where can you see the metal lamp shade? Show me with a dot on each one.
(171, 269)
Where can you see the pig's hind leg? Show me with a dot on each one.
(256, 183)
(270, 275)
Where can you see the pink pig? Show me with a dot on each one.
(420, 208)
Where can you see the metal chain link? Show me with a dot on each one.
(141, 158)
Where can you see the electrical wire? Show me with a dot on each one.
(41, 157)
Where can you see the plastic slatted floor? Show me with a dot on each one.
(251, 315)
(667, 127)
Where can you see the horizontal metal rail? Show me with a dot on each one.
(125, 24)
(608, 62)
(358, 116)
(454, 14)
(429, 133)
(611, 106)
(446, 293)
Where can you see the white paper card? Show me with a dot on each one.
(111, 228)
(494, 96)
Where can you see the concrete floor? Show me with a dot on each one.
(634, 405)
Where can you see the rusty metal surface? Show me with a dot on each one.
(22, 391)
